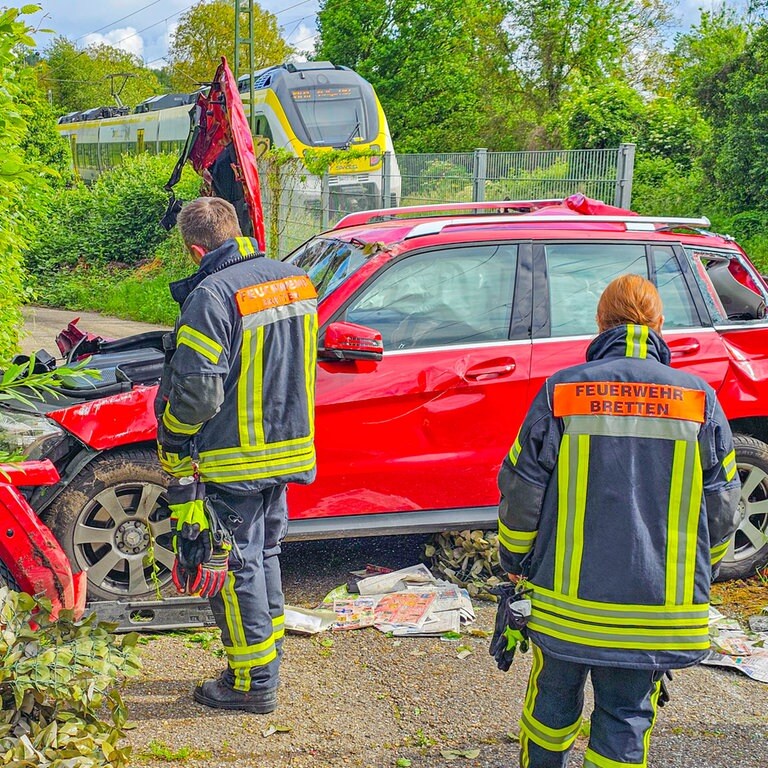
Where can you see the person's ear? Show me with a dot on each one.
(197, 252)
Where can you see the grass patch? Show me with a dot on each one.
(160, 751)
(139, 293)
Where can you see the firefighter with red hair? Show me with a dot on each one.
(619, 499)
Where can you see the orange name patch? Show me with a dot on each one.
(622, 398)
(276, 293)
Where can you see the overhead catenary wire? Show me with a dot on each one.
(161, 21)
(117, 21)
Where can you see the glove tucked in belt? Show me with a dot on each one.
(201, 544)
(512, 614)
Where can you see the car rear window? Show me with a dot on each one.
(328, 262)
(579, 272)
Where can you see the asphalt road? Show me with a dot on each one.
(42, 325)
(363, 699)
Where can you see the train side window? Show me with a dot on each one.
(263, 129)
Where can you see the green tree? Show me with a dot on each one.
(703, 60)
(79, 79)
(206, 32)
(440, 68)
(602, 116)
(557, 44)
(740, 138)
(21, 181)
(673, 129)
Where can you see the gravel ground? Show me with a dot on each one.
(363, 699)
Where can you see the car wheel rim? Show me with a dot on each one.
(116, 535)
(752, 534)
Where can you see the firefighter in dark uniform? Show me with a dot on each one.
(236, 418)
(619, 498)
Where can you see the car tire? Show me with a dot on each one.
(109, 520)
(749, 550)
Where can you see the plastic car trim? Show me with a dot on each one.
(388, 523)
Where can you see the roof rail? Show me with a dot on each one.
(499, 206)
(632, 223)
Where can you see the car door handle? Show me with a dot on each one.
(684, 347)
(485, 372)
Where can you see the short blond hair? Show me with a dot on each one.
(630, 299)
(208, 222)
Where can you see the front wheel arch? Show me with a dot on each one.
(110, 518)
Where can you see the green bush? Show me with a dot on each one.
(115, 221)
(134, 294)
(661, 188)
(58, 678)
(21, 180)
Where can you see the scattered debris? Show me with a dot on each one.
(306, 621)
(734, 648)
(469, 559)
(396, 581)
(410, 602)
(274, 728)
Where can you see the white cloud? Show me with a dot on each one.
(170, 34)
(303, 40)
(126, 39)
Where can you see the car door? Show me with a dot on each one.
(571, 276)
(427, 426)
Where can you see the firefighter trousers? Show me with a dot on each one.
(621, 724)
(249, 609)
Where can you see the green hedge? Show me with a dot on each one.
(103, 248)
(115, 221)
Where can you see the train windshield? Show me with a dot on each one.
(331, 115)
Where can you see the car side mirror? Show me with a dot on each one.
(350, 341)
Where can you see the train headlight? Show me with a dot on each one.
(376, 157)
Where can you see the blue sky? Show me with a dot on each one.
(144, 27)
(149, 25)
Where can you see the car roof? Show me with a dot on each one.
(577, 216)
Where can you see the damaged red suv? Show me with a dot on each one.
(437, 327)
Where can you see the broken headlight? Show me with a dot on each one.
(28, 435)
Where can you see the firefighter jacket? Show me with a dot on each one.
(237, 391)
(619, 497)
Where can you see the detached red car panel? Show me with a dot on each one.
(437, 327)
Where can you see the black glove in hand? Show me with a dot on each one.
(512, 614)
(202, 545)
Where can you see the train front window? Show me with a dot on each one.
(331, 115)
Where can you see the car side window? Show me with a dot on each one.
(438, 298)
(578, 274)
(679, 311)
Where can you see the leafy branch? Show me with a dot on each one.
(56, 675)
(20, 383)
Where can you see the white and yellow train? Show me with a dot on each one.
(303, 106)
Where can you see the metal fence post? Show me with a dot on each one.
(386, 180)
(625, 168)
(479, 173)
(325, 201)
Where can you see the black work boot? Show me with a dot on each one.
(216, 694)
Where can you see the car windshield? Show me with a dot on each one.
(328, 262)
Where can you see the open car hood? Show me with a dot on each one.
(218, 119)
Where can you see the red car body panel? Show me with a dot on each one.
(221, 116)
(110, 422)
(28, 548)
(744, 393)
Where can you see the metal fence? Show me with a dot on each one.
(298, 205)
